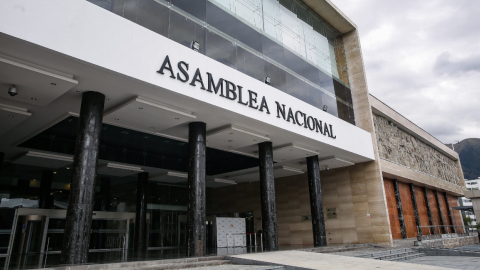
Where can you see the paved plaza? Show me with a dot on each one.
(453, 262)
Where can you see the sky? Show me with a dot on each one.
(422, 58)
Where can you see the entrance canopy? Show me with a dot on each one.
(154, 88)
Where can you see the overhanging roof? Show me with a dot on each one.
(331, 14)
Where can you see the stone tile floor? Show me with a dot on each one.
(453, 262)
(472, 247)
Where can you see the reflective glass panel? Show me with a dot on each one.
(153, 16)
(183, 30)
(250, 64)
(197, 8)
(220, 49)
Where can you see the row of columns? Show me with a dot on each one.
(79, 211)
(415, 209)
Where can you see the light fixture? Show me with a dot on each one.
(34, 99)
(68, 168)
(140, 108)
(116, 119)
(325, 108)
(267, 80)
(195, 46)
(326, 168)
(53, 84)
(13, 91)
(11, 116)
(230, 140)
(176, 118)
(54, 172)
(78, 91)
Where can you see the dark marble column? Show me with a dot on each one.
(140, 239)
(316, 202)
(440, 212)
(415, 209)
(267, 197)
(45, 198)
(401, 219)
(82, 188)
(429, 211)
(450, 216)
(196, 243)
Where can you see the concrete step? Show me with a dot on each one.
(408, 257)
(239, 267)
(394, 255)
(154, 264)
(184, 265)
(386, 252)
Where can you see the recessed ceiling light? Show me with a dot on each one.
(10, 115)
(140, 108)
(78, 91)
(54, 172)
(53, 84)
(107, 98)
(68, 168)
(176, 118)
(33, 99)
(116, 119)
(34, 179)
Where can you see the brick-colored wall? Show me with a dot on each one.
(422, 209)
(392, 208)
(408, 213)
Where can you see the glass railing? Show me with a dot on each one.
(284, 41)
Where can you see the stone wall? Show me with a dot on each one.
(398, 146)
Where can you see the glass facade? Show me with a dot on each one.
(284, 40)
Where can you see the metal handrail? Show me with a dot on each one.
(244, 238)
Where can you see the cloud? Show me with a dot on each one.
(445, 65)
(422, 59)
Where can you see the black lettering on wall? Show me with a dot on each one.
(240, 96)
(252, 99)
(331, 133)
(263, 105)
(326, 130)
(280, 110)
(296, 117)
(318, 125)
(166, 65)
(312, 125)
(290, 116)
(180, 66)
(197, 77)
(211, 84)
(230, 89)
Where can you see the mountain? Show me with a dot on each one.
(469, 152)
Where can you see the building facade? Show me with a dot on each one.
(471, 185)
(127, 125)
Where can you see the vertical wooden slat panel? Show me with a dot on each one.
(457, 215)
(408, 214)
(443, 205)
(434, 210)
(392, 208)
(422, 209)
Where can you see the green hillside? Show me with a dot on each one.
(469, 152)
